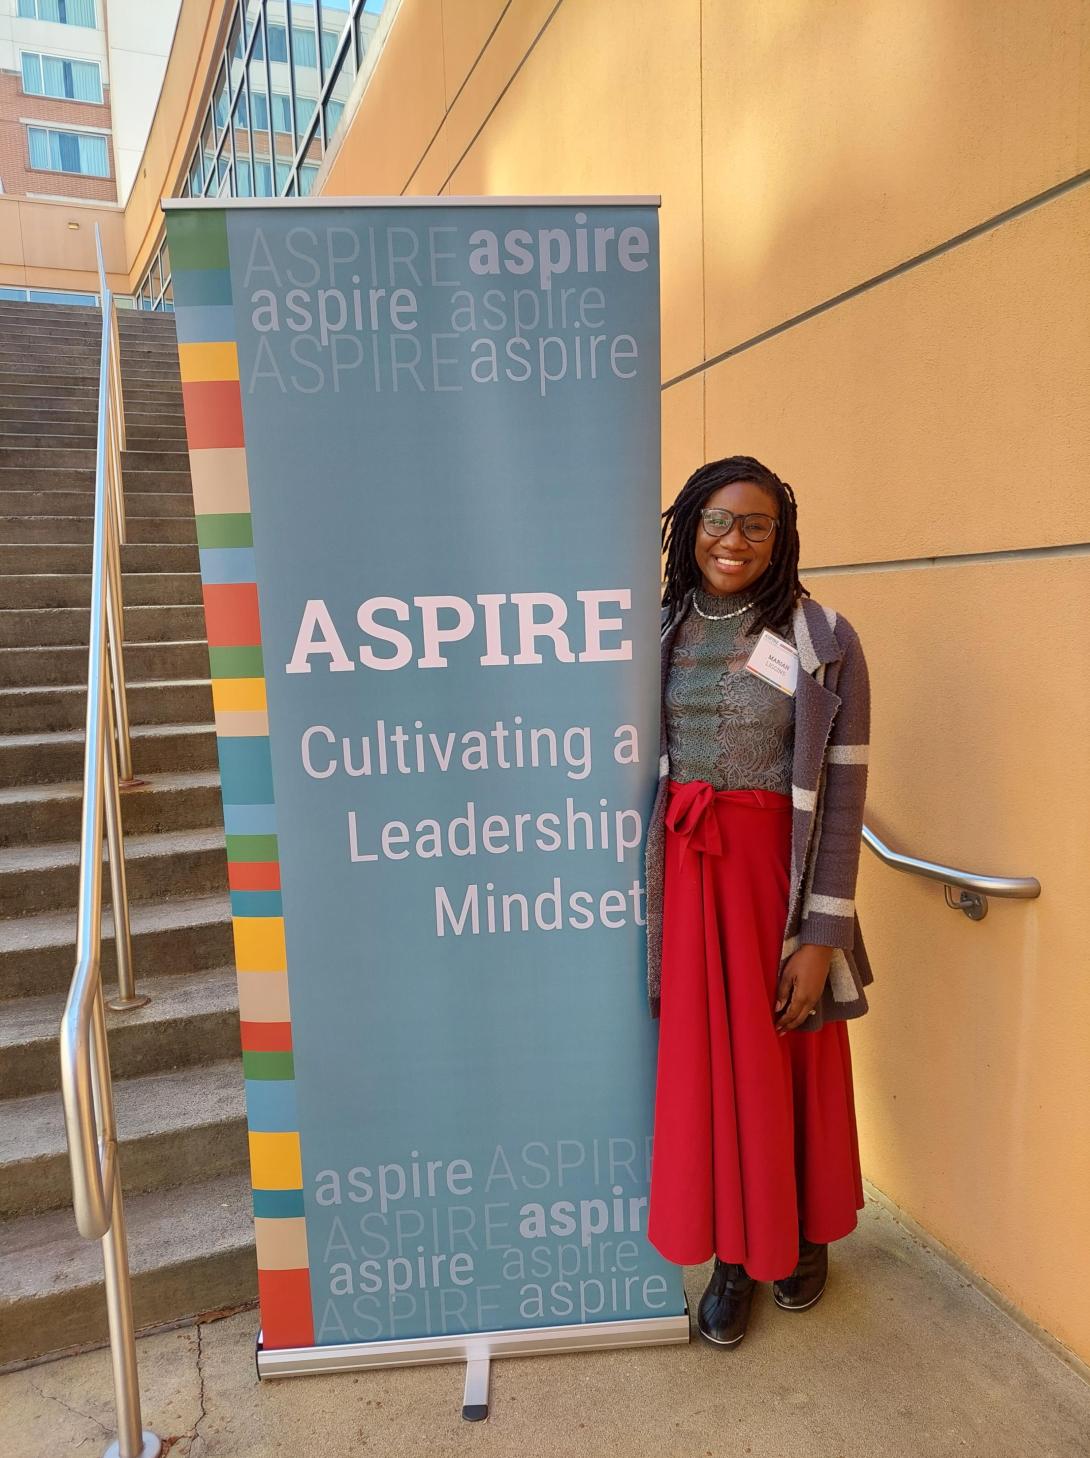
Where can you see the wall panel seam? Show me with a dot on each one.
(1069, 184)
(952, 559)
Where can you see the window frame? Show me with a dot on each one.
(41, 19)
(32, 124)
(44, 95)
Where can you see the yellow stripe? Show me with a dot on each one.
(276, 1161)
(245, 694)
(259, 944)
(208, 361)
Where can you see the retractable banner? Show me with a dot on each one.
(424, 442)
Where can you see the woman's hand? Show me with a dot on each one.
(801, 984)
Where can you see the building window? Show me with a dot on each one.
(281, 113)
(67, 80)
(331, 39)
(65, 12)
(303, 45)
(78, 152)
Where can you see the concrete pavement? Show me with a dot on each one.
(902, 1358)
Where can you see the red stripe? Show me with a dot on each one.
(266, 1037)
(253, 875)
(213, 414)
(286, 1316)
(231, 614)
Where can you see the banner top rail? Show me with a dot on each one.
(177, 204)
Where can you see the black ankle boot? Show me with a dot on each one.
(804, 1286)
(723, 1313)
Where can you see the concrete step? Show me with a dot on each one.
(33, 759)
(53, 627)
(139, 504)
(142, 395)
(33, 478)
(80, 435)
(191, 1019)
(64, 557)
(83, 459)
(77, 371)
(43, 708)
(33, 354)
(79, 432)
(40, 878)
(74, 589)
(173, 1128)
(67, 665)
(165, 801)
(37, 953)
(51, 410)
(78, 529)
(190, 1252)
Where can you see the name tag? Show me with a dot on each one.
(775, 661)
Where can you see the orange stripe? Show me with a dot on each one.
(213, 414)
(286, 1316)
(253, 875)
(266, 1037)
(231, 614)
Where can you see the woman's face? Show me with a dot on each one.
(732, 563)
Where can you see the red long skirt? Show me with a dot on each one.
(753, 1131)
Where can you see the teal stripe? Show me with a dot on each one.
(194, 289)
(246, 770)
(256, 903)
(278, 1204)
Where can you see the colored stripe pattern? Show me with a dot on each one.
(208, 355)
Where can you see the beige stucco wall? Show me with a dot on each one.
(38, 249)
(803, 148)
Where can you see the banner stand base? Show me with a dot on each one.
(476, 1349)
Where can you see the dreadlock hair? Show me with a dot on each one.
(778, 588)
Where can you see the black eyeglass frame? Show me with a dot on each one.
(732, 516)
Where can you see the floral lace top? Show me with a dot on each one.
(723, 724)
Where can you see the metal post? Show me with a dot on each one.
(127, 997)
(133, 1440)
(115, 631)
(119, 396)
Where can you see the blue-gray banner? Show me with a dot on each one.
(444, 482)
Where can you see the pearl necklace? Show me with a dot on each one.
(720, 617)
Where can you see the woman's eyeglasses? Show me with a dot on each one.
(756, 527)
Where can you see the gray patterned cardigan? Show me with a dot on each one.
(828, 789)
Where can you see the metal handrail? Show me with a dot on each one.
(974, 887)
(85, 1065)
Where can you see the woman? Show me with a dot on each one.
(755, 958)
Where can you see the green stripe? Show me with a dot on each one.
(268, 1065)
(237, 662)
(197, 240)
(252, 848)
(225, 529)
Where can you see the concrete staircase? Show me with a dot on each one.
(176, 1065)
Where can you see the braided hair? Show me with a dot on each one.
(778, 588)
